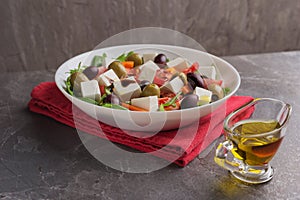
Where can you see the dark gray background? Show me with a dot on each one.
(41, 34)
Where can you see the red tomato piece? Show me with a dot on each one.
(158, 81)
(102, 89)
(162, 76)
(208, 81)
(163, 100)
(167, 94)
(171, 107)
(194, 67)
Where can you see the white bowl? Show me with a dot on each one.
(150, 121)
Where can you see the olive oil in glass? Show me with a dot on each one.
(251, 144)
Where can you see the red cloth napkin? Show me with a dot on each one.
(49, 101)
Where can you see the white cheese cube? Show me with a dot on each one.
(209, 71)
(149, 56)
(148, 71)
(179, 64)
(127, 89)
(90, 89)
(107, 78)
(148, 103)
(107, 61)
(203, 94)
(175, 85)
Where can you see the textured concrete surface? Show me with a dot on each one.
(43, 34)
(43, 159)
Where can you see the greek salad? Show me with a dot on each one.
(145, 82)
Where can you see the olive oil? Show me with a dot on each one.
(252, 145)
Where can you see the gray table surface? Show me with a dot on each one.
(43, 159)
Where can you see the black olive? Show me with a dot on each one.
(91, 72)
(112, 99)
(189, 101)
(161, 59)
(214, 98)
(195, 80)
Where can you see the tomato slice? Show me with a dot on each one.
(158, 81)
(208, 81)
(163, 100)
(171, 107)
(162, 76)
(194, 67)
(102, 89)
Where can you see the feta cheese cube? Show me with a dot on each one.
(127, 89)
(175, 85)
(203, 94)
(148, 71)
(209, 71)
(107, 61)
(90, 89)
(148, 103)
(107, 78)
(149, 56)
(179, 64)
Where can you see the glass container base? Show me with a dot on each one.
(262, 177)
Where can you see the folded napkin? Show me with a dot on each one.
(49, 101)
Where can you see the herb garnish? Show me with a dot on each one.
(98, 60)
(123, 57)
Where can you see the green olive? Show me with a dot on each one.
(76, 79)
(217, 91)
(183, 77)
(136, 58)
(118, 68)
(151, 90)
